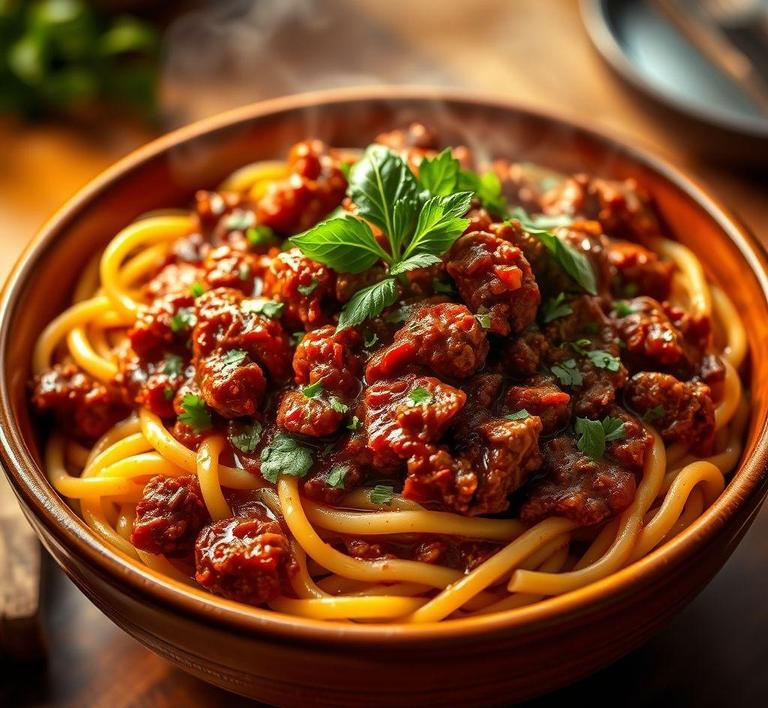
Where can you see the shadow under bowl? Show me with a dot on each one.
(287, 660)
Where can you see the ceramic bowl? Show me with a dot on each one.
(286, 660)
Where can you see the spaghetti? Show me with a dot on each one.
(611, 421)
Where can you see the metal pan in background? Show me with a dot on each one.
(643, 47)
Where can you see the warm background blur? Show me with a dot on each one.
(210, 56)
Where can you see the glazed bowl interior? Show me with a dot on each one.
(169, 171)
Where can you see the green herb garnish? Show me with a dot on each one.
(261, 236)
(234, 357)
(484, 319)
(570, 259)
(382, 495)
(308, 289)
(420, 395)
(184, 319)
(622, 309)
(268, 308)
(604, 360)
(568, 374)
(196, 289)
(594, 434)
(284, 455)
(354, 424)
(248, 437)
(195, 413)
(313, 390)
(337, 476)
(653, 414)
(555, 308)
(337, 405)
(518, 415)
(439, 175)
(419, 226)
(172, 365)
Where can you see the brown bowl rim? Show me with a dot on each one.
(50, 510)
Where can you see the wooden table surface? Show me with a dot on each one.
(714, 653)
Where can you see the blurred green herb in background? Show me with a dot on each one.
(63, 57)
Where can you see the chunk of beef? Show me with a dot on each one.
(542, 397)
(153, 385)
(226, 320)
(436, 475)
(331, 357)
(683, 411)
(526, 183)
(415, 135)
(400, 415)
(169, 516)
(622, 207)
(637, 271)
(587, 338)
(631, 449)
(493, 456)
(227, 267)
(233, 388)
(316, 185)
(697, 333)
(585, 237)
(502, 454)
(494, 277)
(651, 340)
(163, 325)
(213, 209)
(301, 414)
(522, 356)
(244, 559)
(578, 488)
(352, 455)
(307, 289)
(80, 404)
(444, 337)
(175, 279)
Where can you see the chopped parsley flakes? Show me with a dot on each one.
(420, 396)
(313, 390)
(554, 308)
(234, 357)
(184, 319)
(247, 437)
(268, 308)
(382, 494)
(337, 476)
(195, 413)
(308, 289)
(567, 373)
(284, 455)
(594, 434)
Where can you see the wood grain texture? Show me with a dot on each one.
(713, 654)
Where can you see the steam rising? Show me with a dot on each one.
(233, 52)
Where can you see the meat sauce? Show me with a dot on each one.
(462, 395)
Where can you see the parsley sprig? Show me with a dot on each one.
(594, 434)
(195, 413)
(285, 455)
(419, 219)
(571, 260)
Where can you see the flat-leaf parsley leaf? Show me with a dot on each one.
(195, 414)
(284, 455)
